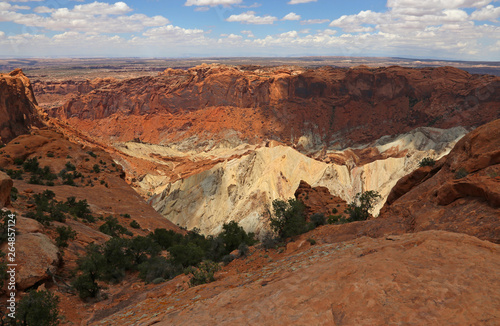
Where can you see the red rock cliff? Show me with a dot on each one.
(17, 106)
(338, 106)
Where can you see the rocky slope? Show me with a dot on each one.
(18, 111)
(431, 277)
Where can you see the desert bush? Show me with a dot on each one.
(158, 267)
(427, 161)
(70, 166)
(268, 241)
(15, 174)
(234, 235)
(337, 219)
(318, 219)
(186, 255)
(359, 209)
(90, 267)
(204, 273)
(288, 218)
(461, 173)
(14, 193)
(112, 227)
(38, 308)
(134, 224)
(65, 234)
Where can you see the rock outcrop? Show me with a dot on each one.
(5, 188)
(18, 112)
(36, 256)
(460, 193)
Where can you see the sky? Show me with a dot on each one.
(426, 29)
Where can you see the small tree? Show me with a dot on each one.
(289, 218)
(359, 209)
(38, 308)
(427, 161)
(91, 267)
(65, 234)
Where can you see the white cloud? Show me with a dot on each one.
(250, 18)
(4, 6)
(44, 10)
(291, 16)
(96, 17)
(248, 34)
(314, 21)
(212, 3)
(295, 2)
(487, 13)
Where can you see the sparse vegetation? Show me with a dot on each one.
(461, 173)
(38, 308)
(359, 209)
(134, 224)
(288, 218)
(427, 161)
(65, 234)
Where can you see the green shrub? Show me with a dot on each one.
(359, 209)
(90, 267)
(96, 168)
(166, 238)
(14, 193)
(268, 241)
(158, 267)
(134, 224)
(70, 166)
(65, 234)
(50, 154)
(234, 235)
(31, 165)
(186, 255)
(92, 154)
(18, 161)
(112, 227)
(337, 219)
(288, 219)
(204, 273)
(461, 173)
(38, 308)
(15, 174)
(427, 161)
(318, 219)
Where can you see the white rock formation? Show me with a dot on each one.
(243, 189)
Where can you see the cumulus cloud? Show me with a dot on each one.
(487, 13)
(295, 2)
(291, 16)
(249, 17)
(96, 17)
(212, 3)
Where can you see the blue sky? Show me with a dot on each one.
(441, 29)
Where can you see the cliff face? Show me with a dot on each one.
(17, 106)
(308, 108)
